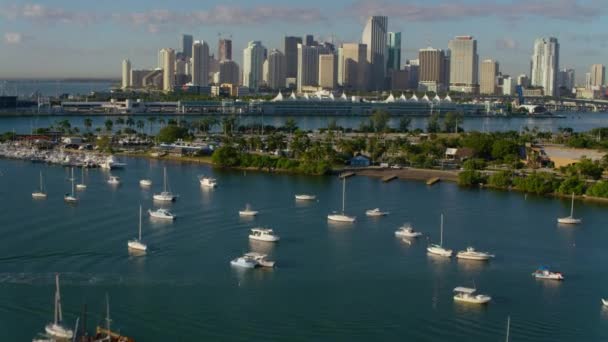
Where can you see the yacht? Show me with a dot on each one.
(111, 164)
(472, 254)
(244, 262)
(81, 185)
(137, 244)
(305, 197)
(71, 197)
(468, 295)
(261, 259)
(56, 329)
(438, 249)
(544, 273)
(570, 219)
(605, 301)
(145, 183)
(342, 217)
(407, 231)
(40, 194)
(105, 334)
(161, 214)
(114, 180)
(165, 195)
(247, 211)
(263, 234)
(376, 212)
(207, 182)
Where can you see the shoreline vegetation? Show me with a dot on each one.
(495, 160)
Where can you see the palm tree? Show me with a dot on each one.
(88, 122)
(119, 121)
(108, 123)
(151, 120)
(140, 125)
(130, 121)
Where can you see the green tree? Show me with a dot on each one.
(480, 143)
(503, 148)
(119, 121)
(540, 183)
(599, 189)
(88, 123)
(140, 125)
(474, 164)
(108, 123)
(226, 156)
(572, 184)
(379, 120)
(299, 144)
(501, 179)
(450, 123)
(171, 133)
(130, 122)
(432, 125)
(290, 125)
(471, 178)
(404, 124)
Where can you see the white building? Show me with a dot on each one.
(328, 71)
(200, 63)
(167, 57)
(308, 65)
(253, 63)
(126, 74)
(508, 86)
(375, 37)
(545, 64)
(464, 64)
(276, 69)
(598, 76)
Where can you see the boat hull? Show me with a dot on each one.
(265, 238)
(39, 195)
(164, 198)
(248, 213)
(569, 220)
(479, 299)
(440, 251)
(57, 331)
(137, 245)
(477, 257)
(243, 263)
(341, 218)
(306, 197)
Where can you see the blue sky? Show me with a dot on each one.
(87, 38)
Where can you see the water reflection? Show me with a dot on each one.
(471, 266)
(261, 246)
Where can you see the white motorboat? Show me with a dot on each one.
(472, 254)
(305, 197)
(342, 217)
(438, 249)
(570, 219)
(137, 244)
(261, 259)
(544, 273)
(376, 212)
(468, 295)
(71, 197)
(81, 185)
(111, 164)
(605, 301)
(145, 183)
(407, 231)
(114, 180)
(207, 182)
(56, 329)
(244, 262)
(263, 234)
(40, 194)
(165, 195)
(161, 213)
(247, 211)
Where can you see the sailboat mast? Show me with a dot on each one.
(572, 206)
(108, 320)
(41, 187)
(165, 179)
(508, 327)
(441, 233)
(343, 193)
(72, 181)
(140, 223)
(58, 315)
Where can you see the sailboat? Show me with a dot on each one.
(40, 194)
(508, 328)
(137, 244)
(341, 217)
(56, 329)
(438, 249)
(71, 197)
(570, 219)
(81, 185)
(165, 195)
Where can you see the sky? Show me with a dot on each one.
(90, 38)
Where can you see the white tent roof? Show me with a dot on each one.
(402, 98)
(447, 98)
(293, 96)
(344, 97)
(306, 97)
(436, 98)
(278, 98)
(426, 98)
(414, 98)
(390, 99)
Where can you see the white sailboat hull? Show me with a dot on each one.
(474, 256)
(436, 250)
(478, 299)
(137, 245)
(38, 195)
(306, 197)
(57, 331)
(145, 182)
(248, 213)
(341, 218)
(161, 216)
(569, 220)
(164, 198)
(81, 186)
(265, 238)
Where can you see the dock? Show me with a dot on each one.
(433, 181)
(389, 178)
(346, 175)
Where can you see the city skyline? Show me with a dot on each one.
(136, 30)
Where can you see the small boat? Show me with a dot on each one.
(114, 180)
(244, 262)
(161, 214)
(605, 301)
(145, 183)
(71, 197)
(137, 244)
(82, 185)
(263, 234)
(407, 231)
(165, 195)
(111, 164)
(105, 334)
(468, 295)
(438, 249)
(544, 273)
(472, 254)
(56, 329)
(207, 182)
(376, 212)
(40, 194)
(570, 219)
(305, 197)
(342, 217)
(247, 211)
(260, 259)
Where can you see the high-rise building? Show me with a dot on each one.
(254, 56)
(598, 76)
(464, 64)
(588, 80)
(291, 56)
(413, 71)
(566, 79)
(168, 59)
(308, 66)
(431, 70)
(224, 50)
(229, 72)
(545, 64)
(126, 74)
(181, 77)
(200, 63)
(310, 40)
(374, 36)
(507, 86)
(352, 66)
(394, 51)
(185, 45)
(328, 70)
(523, 80)
(489, 72)
(276, 69)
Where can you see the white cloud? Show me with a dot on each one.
(13, 38)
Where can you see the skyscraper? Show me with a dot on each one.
(464, 64)
(328, 70)
(185, 45)
(352, 66)
(291, 56)
(545, 64)
(489, 72)
(224, 50)
(200, 63)
(308, 65)
(168, 59)
(394, 51)
(253, 60)
(598, 76)
(276, 69)
(566, 79)
(374, 36)
(310, 40)
(229, 72)
(431, 70)
(126, 74)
